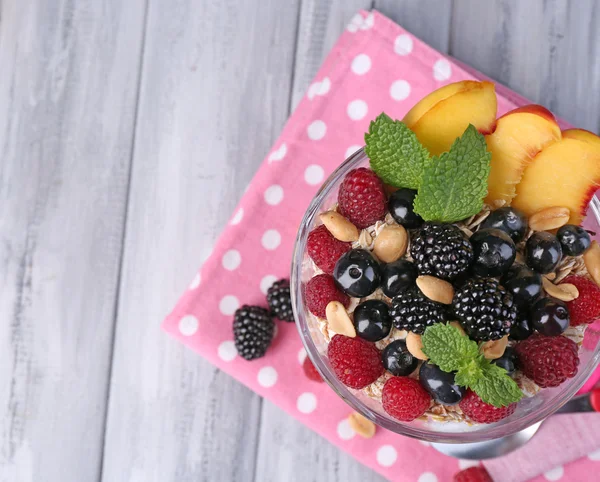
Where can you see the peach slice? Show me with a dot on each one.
(443, 115)
(565, 173)
(519, 136)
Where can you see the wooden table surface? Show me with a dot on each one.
(128, 132)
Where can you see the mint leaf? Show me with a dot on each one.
(495, 386)
(452, 351)
(469, 373)
(447, 348)
(454, 184)
(396, 154)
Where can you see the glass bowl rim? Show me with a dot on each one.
(495, 430)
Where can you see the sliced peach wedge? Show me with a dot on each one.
(565, 173)
(519, 136)
(442, 116)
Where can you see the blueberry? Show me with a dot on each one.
(508, 360)
(372, 320)
(401, 208)
(397, 277)
(550, 317)
(543, 252)
(509, 220)
(398, 360)
(357, 273)
(494, 252)
(574, 239)
(524, 284)
(440, 385)
(521, 328)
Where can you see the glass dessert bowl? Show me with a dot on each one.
(445, 423)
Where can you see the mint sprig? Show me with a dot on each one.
(454, 184)
(452, 351)
(451, 187)
(395, 153)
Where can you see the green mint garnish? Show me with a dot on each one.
(455, 352)
(396, 154)
(454, 184)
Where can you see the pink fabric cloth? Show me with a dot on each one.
(375, 66)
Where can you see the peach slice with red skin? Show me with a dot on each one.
(566, 173)
(442, 116)
(519, 136)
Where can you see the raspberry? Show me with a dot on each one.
(310, 371)
(319, 291)
(356, 362)
(404, 398)
(548, 360)
(473, 474)
(586, 308)
(324, 249)
(361, 198)
(481, 412)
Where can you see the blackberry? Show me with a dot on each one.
(486, 310)
(279, 300)
(253, 330)
(441, 250)
(412, 311)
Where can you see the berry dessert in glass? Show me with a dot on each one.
(445, 278)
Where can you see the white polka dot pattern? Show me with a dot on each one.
(227, 351)
(361, 64)
(314, 174)
(231, 259)
(357, 109)
(188, 325)
(274, 195)
(316, 130)
(307, 403)
(228, 305)
(271, 239)
(386, 455)
(267, 377)
(555, 474)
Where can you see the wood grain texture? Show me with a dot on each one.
(548, 51)
(321, 23)
(288, 450)
(215, 94)
(427, 19)
(69, 76)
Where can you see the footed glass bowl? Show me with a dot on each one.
(529, 410)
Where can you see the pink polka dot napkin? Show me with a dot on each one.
(375, 66)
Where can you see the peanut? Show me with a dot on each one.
(338, 319)
(494, 348)
(391, 243)
(414, 344)
(562, 292)
(591, 258)
(549, 218)
(361, 425)
(458, 326)
(339, 227)
(436, 289)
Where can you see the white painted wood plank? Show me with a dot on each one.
(68, 83)
(214, 96)
(548, 51)
(427, 19)
(288, 450)
(321, 23)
